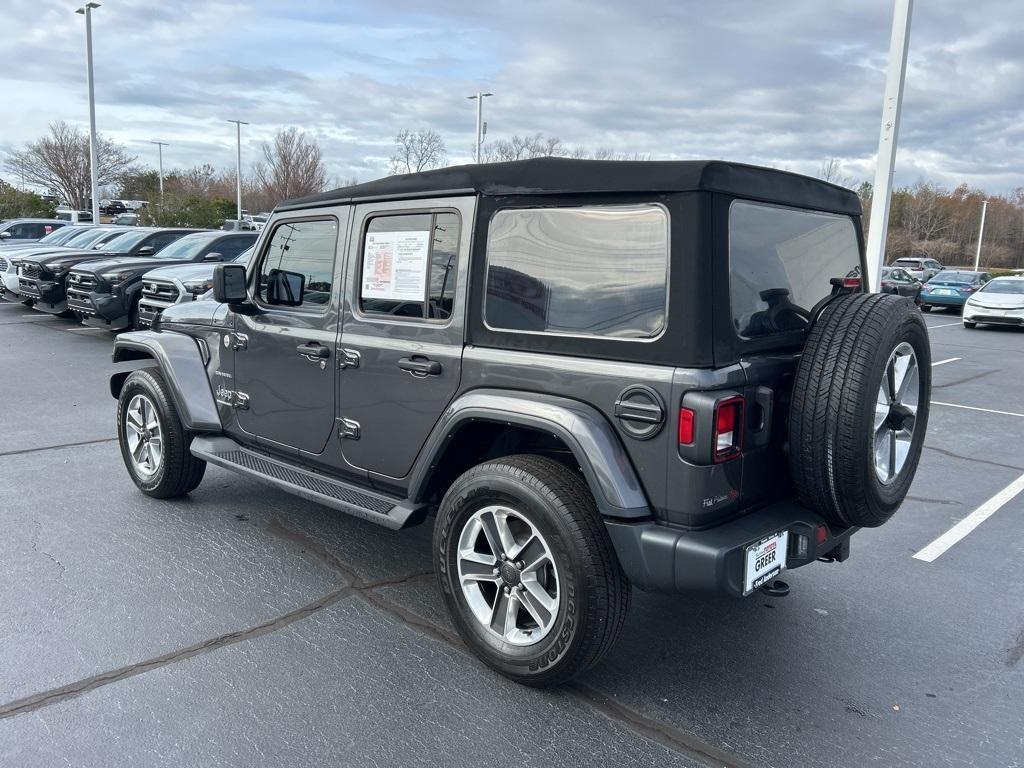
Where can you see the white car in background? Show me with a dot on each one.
(999, 302)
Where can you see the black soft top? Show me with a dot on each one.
(565, 176)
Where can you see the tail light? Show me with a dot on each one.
(686, 436)
(851, 282)
(728, 432)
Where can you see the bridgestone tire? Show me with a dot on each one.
(179, 472)
(593, 592)
(832, 427)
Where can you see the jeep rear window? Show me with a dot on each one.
(781, 263)
(588, 271)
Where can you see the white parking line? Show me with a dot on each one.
(969, 523)
(945, 325)
(975, 408)
(948, 360)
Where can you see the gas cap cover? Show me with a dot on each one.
(640, 411)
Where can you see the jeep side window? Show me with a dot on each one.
(306, 248)
(781, 262)
(409, 264)
(586, 271)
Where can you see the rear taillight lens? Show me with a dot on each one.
(728, 435)
(851, 282)
(686, 426)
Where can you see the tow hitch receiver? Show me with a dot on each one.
(777, 588)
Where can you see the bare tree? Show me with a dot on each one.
(291, 167)
(832, 171)
(60, 162)
(418, 151)
(522, 148)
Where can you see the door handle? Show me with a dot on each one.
(422, 367)
(313, 350)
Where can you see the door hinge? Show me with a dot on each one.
(349, 358)
(236, 341)
(349, 429)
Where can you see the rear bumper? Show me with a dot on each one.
(942, 301)
(662, 558)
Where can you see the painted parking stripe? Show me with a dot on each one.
(972, 521)
(945, 325)
(975, 408)
(948, 360)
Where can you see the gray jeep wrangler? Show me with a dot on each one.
(592, 374)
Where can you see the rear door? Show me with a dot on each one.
(403, 330)
(285, 359)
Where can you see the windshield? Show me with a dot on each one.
(125, 241)
(58, 236)
(912, 263)
(951, 276)
(87, 238)
(1004, 286)
(185, 248)
(244, 256)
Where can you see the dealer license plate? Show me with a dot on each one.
(764, 561)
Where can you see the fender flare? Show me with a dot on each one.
(587, 433)
(181, 362)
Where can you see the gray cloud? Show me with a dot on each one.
(783, 84)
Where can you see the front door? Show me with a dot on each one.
(286, 339)
(402, 337)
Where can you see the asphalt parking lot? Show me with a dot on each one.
(244, 626)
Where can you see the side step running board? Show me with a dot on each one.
(376, 507)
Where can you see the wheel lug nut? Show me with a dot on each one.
(507, 590)
(496, 571)
(504, 556)
(520, 565)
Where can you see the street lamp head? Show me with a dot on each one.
(90, 6)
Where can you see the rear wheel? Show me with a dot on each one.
(926, 308)
(154, 443)
(860, 408)
(969, 325)
(527, 569)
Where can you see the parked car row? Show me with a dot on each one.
(96, 273)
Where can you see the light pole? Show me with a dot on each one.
(981, 232)
(86, 10)
(238, 162)
(881, 192)
(480, 95)
(160, 154)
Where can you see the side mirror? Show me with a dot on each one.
(229, 283)
(213, 257)
(285, 288)
(146, 250)
(4, 235)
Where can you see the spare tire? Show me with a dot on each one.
(860, 408)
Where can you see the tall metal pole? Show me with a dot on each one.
(981, 232)
(160, 165)
(238, 162)
(93, 163)
(881, 193)
(480, 95)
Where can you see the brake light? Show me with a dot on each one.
(851, 282)
(685, 426)
(728, 436)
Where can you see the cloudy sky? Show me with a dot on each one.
(787, 83)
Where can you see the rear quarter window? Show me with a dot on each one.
(782, 261)
(587, 271)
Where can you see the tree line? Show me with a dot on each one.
(925, 219)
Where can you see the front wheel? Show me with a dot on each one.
(527, 570)
(154, 443)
